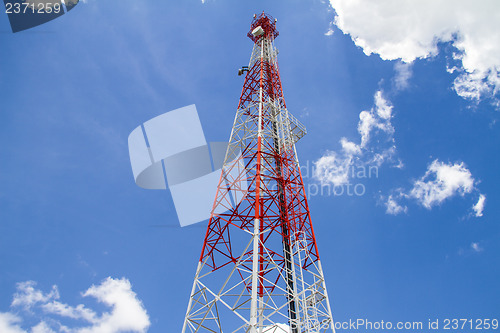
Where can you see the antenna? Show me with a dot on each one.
(242, 70)
(259, 270)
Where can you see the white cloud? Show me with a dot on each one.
(337, 167)
(376, 120)
(471, 86)
(42, 327)
(349, 147)
(366, 124)
(9, 323)
(442, 181)
(384, 110)
(27, 296)
(64, 310)
(329, 32)
(330, 168)
(476, 247)
(479, 206)
(403, 75)
(127, 313)
(393, 208)
(409, 30)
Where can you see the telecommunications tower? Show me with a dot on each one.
(259, 269)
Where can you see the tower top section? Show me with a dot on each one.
(263, 25)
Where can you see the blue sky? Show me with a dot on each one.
(412, 247)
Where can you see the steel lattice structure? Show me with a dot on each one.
(259, 269)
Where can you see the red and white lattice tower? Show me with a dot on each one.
(259, 269)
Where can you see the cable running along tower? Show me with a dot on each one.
(259, 269)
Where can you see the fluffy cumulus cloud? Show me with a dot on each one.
(338, 167)
(403, 75)
(393, 207)
(440, 182)
(479, 206)
(42, 327)
(126, 314)
(409, 30)
(9, 323)
(27, 296)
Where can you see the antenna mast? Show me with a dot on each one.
(259, 269)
